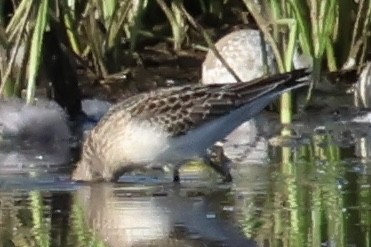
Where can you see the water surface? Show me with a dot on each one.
(314, 191)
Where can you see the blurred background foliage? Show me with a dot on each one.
(50, 44)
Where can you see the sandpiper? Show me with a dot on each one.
(242, 50)
(34, 137)
(174, 125)
(43, 122)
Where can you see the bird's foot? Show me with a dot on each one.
(176, 178)
(217, 160)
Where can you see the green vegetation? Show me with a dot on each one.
(316, 196)
(321, 29)
(305, 205)
(94, 33)
(309, 201)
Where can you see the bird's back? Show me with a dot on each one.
(174, 124)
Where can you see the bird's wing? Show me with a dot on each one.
(181, 109)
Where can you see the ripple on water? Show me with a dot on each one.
(323, 183)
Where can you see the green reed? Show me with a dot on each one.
(177, 21)
(12, 67)
(40, 227)
(82, 232)
(36, 48)
(317, 29)
(334, 33)
(306, 204)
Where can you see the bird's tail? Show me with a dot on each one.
(271, 85)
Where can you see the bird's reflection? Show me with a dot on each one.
(172, 216)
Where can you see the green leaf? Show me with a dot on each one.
(36, 48)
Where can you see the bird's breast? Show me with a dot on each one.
(131, 142)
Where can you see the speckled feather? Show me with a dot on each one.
(180, 109)
(173, 124)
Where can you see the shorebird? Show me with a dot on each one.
(37, 136)
(34, 137)
(362, 90)
(174, 125)
(43, 122)
(242, 50)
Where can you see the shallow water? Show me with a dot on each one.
(311, 192)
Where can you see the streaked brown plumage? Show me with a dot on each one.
(174, 125)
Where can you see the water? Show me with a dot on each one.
(314, 191)
(320, 197)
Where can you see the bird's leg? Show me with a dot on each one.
(217, 160)
(113, 174)
(176, 177)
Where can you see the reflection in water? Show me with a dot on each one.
(248, 144)
(313, 197)
(34, 218)
(319, 195)
(124, 217)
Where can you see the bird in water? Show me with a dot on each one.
(32, 136)
(38, 135)
(175, 125)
